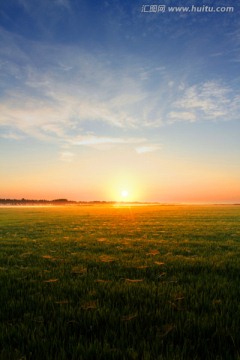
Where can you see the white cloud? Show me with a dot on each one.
(181, 116)
(147, 148)
(89, 140)
(34, 119)
(72, 92)
(209, 100)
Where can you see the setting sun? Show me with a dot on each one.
(124, 194)
(124, 186)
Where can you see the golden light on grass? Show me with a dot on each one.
(133, 280)
(89, 305)
(50, 280)
(153, 252)
(107, 258)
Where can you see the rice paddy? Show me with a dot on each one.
(120, 282)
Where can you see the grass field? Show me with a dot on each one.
(108, 282)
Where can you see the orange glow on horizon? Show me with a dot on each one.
(197, 188)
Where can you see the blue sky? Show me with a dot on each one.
(97, 95)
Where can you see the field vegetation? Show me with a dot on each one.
(120, 282)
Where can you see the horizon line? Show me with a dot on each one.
(63, 201)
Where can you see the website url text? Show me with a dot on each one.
(186, 9)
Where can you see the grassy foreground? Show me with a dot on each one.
(105, 282)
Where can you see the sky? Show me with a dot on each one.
(100, 97)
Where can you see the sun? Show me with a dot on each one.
(124, 194)
(123, 189)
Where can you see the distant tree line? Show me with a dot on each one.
(48, 202)
(56, 202)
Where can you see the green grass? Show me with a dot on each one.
(105, 282)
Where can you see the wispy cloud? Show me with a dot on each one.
(147, 148)
(206, 101)
(209, 98)
(181, 116)
(55, 93)
(100, 140)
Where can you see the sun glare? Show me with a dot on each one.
(123, 188)
(124, 194)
